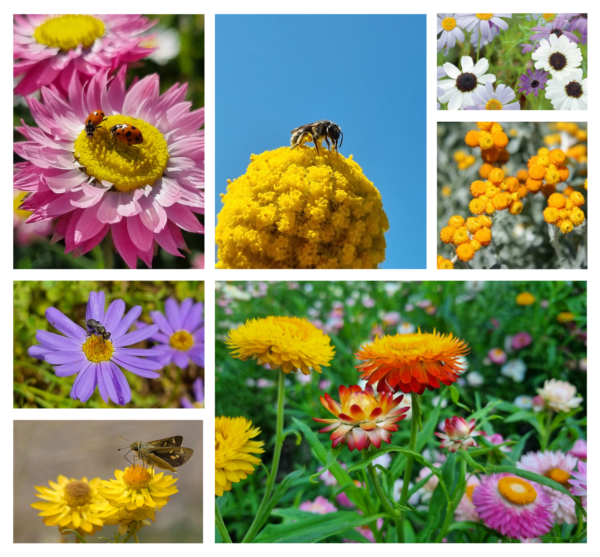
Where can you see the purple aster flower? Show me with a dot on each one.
(486, 98)
(557, 27)
(94, 357)
(181, 336)
(578, 22)
(531, 82)
(198, 389)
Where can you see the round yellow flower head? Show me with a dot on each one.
(553, 176)
(472, 138)
(460, 156)
(473, 224)
(484, 236)
(446, 191)
(296, 209)
(485, 170)
(477, 206)
(576, 216)
(475, 244)
(525, 299)
(515, 207)
(565, 317)
(465, 252)
(577, 198)
(486, 141)
(285, 343)
(501, 201)
(233, 447)
(478, 188)
(446, 234)
(496, 176)
(550, 214)
(485, 126)
(456, 221)
(461, 235)
(557, 200)
(485, 221)
(566, 226)
(558, 157)
(443, 263)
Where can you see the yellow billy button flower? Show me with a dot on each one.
(299, 209)
(233, 448)
(138, 488)
(125, 167)
(412, 362)
(72, 505)
(287, 343)
(362, 417)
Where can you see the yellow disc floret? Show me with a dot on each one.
(181, 340)
(301, 209)
(448, 23)
(96, 349)
(517, 491)
(127, 167)
(67, 32)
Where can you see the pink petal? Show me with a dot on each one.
(123, 243)
(139, 234)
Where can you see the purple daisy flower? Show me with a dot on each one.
(531, 82)
(95, 357)
(198, 389)
(557, 27)
(578, 22)
(181, 336)
(488, 99)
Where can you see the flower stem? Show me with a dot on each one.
(221, 525)
(414, 431)
(546, 431)
(130, 533)
(107, 253)
(478, 45)
(451, 507)
(258, 519)
(389, 508)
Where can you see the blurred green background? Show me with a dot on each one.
(183, 62)
(43, 450)
(36, 385)
(484, 314)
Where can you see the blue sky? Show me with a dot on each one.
(364, 72)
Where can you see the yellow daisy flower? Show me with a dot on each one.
(138, 488)
(233, 445)
(72, 505)
(286, 343)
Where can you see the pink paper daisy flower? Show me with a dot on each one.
(465, 510)
(513, 506)
(49, 49)
(497, 355)
(579, 449)
(143, 194)
(319, 506)
(580, 482)
(558, 467)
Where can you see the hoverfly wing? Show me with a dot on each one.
(174, 441)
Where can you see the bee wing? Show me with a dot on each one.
(174, 441)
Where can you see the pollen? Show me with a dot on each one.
(126, 167)
(181, 340)
(67, 32)
(449, 23)
(484, 17)
(137, 477)
(96, 349)
(493, 104)
(517, 491)
(78, 493)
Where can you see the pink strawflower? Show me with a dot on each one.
(465, 510)
(319, 506)
(580, 482)
(366, 531)
(579, 450)
(143, 195)
(324, 384)
(497, 355)
(432, 483)
(50, 49)
(557, 466)
(391, 318)
(513, 506)
(458, 434)
(521, 340)
(497, 439)
(343, 500)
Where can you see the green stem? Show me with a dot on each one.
(107, 252)
(130, 533)
(382, 496)
(478, 44)
(414, 432)
(221, 525)
(451, 507)
(547, 431)
(258, 519)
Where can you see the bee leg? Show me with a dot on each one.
(328, 144)
(315, 140)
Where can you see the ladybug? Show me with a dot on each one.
(93, 121)
(126, 133)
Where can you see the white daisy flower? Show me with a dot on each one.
(558, 55)
(459, 89)
(569, 94)
(450, 31)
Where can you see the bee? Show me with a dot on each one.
(96, 328)
(166, 454)
(317, 132)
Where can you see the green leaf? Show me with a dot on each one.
(519, 416)
(455, 395)
(484, 411)
(469, 460)
(332, 456)
(314, 528)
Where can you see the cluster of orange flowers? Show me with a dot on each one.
(577, 152)
(564, 212)
(469, 236)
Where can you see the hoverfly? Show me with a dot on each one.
(166, 454)
(317, 132)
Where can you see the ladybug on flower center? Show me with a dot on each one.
(93, 121)
(126, 133)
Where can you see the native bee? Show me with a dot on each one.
(96, 328)
(317, 132)
(166, 454)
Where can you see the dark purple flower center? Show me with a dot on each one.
(584, 16)
(574, 89)
(557, 32)
(466, 82)
(558, 61)
(535, 83)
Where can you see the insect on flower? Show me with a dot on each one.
(93, 121)
(126, 133)
(96, 328)
(166, 454)
(317, 132)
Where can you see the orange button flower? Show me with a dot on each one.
(362, 417)
(413, 362)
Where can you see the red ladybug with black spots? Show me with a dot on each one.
(93, 121)
(128, 134)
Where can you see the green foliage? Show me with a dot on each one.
(35, 383)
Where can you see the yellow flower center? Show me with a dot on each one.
(558, 475)
(67, 32)
(493, 104)
(548, 17)
(470, 490)
(137, 477)
(182, 340)
(517, 491)
(77, 493)
(125, 166)
(449, 23)
(484, 17)
(17, 203)
(96, 349)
